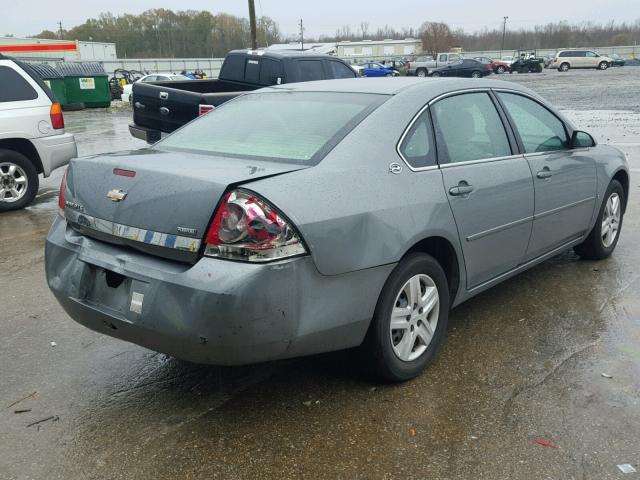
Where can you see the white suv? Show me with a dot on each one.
(566, 59)
(32, 138)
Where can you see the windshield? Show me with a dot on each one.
(296, 127)
(179, 77)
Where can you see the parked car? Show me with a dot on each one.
(127, 89)
(298, 257)
(566, 59)
(617, 60)
(423, 65)
(32, 136)
(163, 108)
(463, 68)
(497, 66)
(375, 69)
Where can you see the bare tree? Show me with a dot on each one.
(364, 28)
(436, 37)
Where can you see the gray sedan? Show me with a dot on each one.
(319, 216)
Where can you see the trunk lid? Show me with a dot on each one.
(165, 209)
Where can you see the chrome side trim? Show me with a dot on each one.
(497, 229)
(481, 160)
(457, 92)
(136, 234)
(564, 207)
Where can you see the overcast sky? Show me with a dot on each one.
(28, 17)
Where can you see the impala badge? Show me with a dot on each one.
(116, 195)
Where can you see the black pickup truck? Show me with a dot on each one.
(166, 106)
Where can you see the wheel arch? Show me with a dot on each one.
(623, 177)
(445, 253)
(26, 148)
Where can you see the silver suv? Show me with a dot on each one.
(566, 59)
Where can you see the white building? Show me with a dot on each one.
(319, 47)
(379, 48)
(57, 50)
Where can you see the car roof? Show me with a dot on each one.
(425, 87)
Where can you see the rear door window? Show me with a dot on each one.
(418, 146)
(13, 87)
(539, 129)
(309, 70)
(270, 72)
(340, 70)
(468, 127)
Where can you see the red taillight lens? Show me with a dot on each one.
(246, 227)
(57, 120)
(204, 109)
(63, 189)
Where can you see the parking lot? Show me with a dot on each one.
(538, 378)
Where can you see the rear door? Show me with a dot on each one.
(578, 59)
(564, 178)
(490, 189)
(591, 59)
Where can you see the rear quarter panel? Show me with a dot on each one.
(351, 211)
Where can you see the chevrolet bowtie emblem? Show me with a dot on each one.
(116, 195)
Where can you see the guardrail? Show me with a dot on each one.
(211, 66)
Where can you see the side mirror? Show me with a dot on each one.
(581, 139)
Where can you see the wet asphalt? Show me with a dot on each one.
(539, 377)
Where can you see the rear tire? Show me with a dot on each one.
(598, 245)
(418, 287)
(476, 74)
(564, 67)
(421, 72)
(19, 181)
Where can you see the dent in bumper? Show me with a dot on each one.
(216, 311)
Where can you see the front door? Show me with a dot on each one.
(490, 190)
(564, 179)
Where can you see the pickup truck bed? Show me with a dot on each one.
(166, 106)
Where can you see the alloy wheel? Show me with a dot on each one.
(13, 182)
(414, 317)
(610, 220)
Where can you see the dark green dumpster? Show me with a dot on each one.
(53, 79)
(86, 82)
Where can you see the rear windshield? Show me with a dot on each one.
(295, 127)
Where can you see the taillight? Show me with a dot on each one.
(246, 227)
(57, 120)
(204, 109)
(61, 199)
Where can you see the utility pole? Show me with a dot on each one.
(252, 21)
(504, 30)
(60, 29)
(301, 35)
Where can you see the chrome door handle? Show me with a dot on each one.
(544, 173)
(463, 188)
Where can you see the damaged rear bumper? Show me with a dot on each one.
(216, 311)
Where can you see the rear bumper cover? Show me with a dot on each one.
(55, 151)
(216, 311)
(146, 134)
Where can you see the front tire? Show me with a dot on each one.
(603, 238)
(435, 74)
(500, 69)
(410, 320)
(603, 66)
(19, 181)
